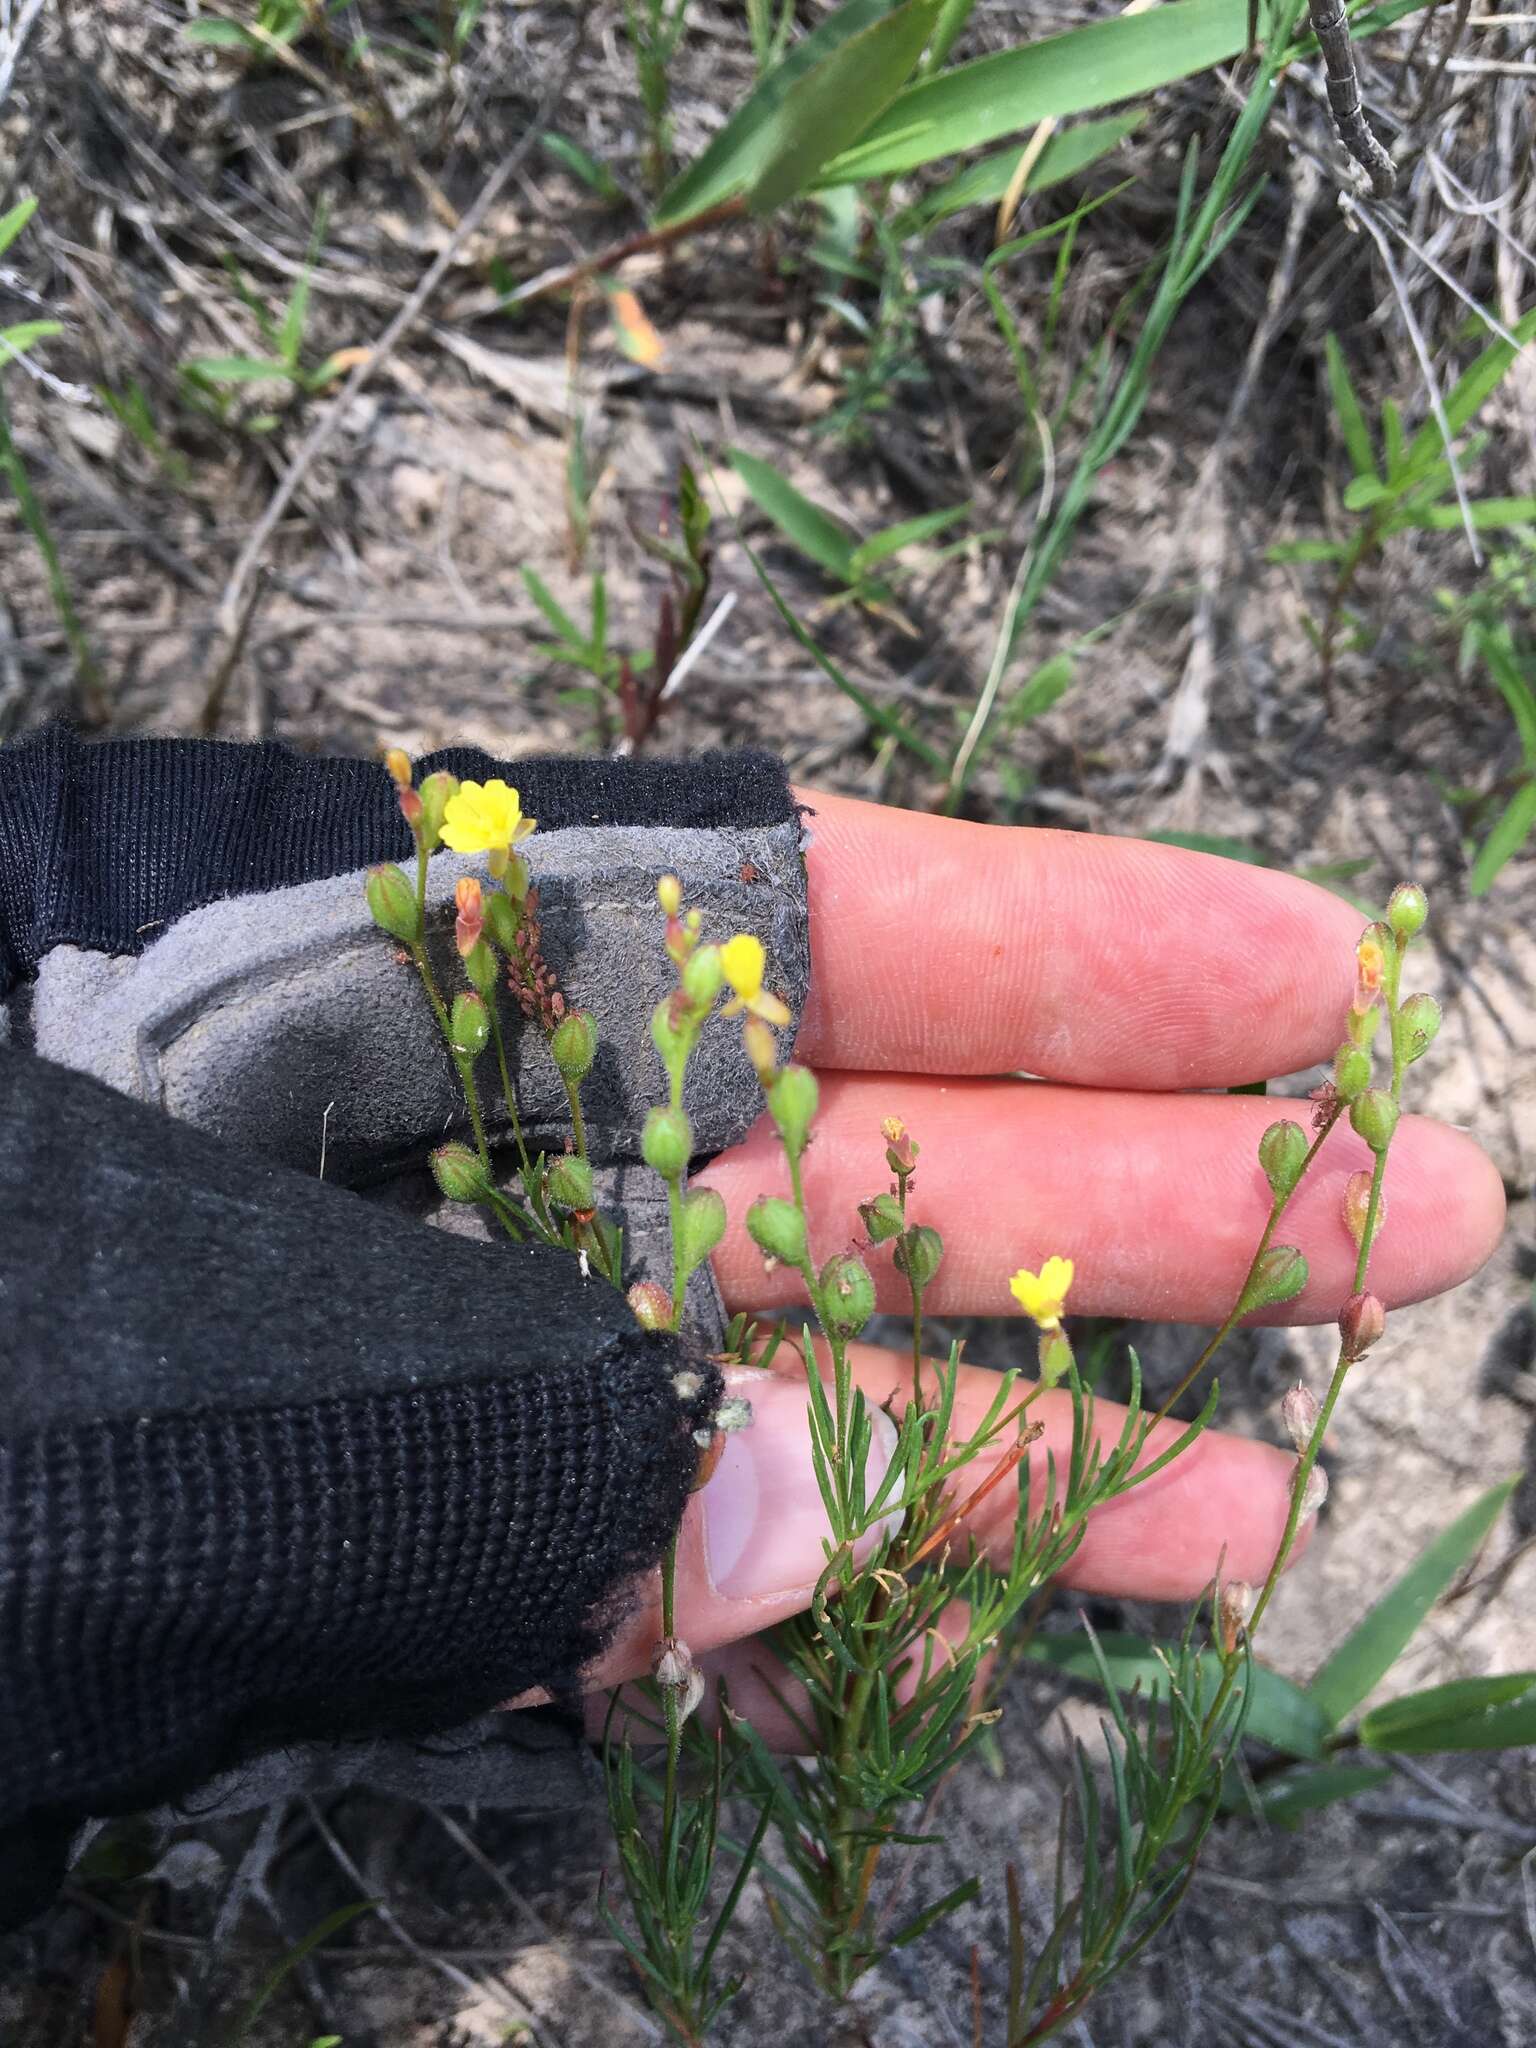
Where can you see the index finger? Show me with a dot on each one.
(942, 947)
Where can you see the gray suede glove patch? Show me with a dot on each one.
(289, 1025)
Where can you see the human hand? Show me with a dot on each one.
(949, 958)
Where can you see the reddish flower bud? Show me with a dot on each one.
(1361, 1324)
(398, 763)
(471, 915)
(411, 808)
(652, 1308)
(1357, 1202)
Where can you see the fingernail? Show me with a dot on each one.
(765, 1526)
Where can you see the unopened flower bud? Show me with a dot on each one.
(1315, 1492)
(1299, 1412)
(412, 810)
(651, 1307)
(1234, 1605)
(1371, 965)
(1374, 1116)
(435, 793)
(392, 903)
(469, 1026)
(918, 1254)
(398, 763)
(847, 1295)
(882, 1218)
(1283, 1154)
(666, 1142)
(480, 967)
(1351, 1071)
(502, 920)
(1420, 1020)
(470, 908)
(700, 1226)
(901, 1148)
(1357, 1205)
(669, 894)
(671, 1033)
(762, 1050)
(573, 1044)
(1361, 1323)
(1407, 910)
(460, 1174)
(703, 976)
(672, 1664)
(570, 1183)
(777, 1228)
(1279, 1275)
(792, 1104)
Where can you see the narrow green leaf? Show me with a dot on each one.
(1069, 152)
(1209, 842)
(1303, 551)
(1469, 1713)
(1506, 839)
(583, 167)
(906, 534)
(738, 153)
(12, 223)
(1512, 685)
(1466, 396)
(1285, 1799)
(1364, 491)
(1488, 515)
(1076, 72)
(321, 1932)
(15, 341)
(1357, 435)
(1050, 681)
(232, 369)
(837, 102)
(960, 1896)
(548, 604)
(1393, 440)
(1373, 1646)
(1280, 1713)
(814, 532)
(220, 35)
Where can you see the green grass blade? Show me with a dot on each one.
(1466, 396)
(1469, 1713)
(321, 1932)
(13, 472)
(839, 100)
(12, 223)
(1512, 686)
(232, 369)
(1370, 1649)
(1357, 435)
(1079, 71)
(1285, 1799)
(1067, 154)
(814, 532)
(15, 341)
(907, 533)
(739, 152)
(1506, 839)
(1486, 515)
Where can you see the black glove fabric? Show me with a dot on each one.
(279, 1464)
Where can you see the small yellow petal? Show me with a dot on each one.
(1043, 1295)
(744, 960)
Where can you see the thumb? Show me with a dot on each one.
(754, 1539)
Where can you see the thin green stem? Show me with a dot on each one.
(578, 1124)
(509, 1094)
(466, 1067)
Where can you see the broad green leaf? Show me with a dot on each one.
(1466, 396)
(12, 223)
(1373, 1646)
(1283, 1800)
(1357, 435)
(1050, 681)
(1469, 1713)
(738, 153)
(839, 100)
(1073, 73)
(1512, 685)
(232, 369)
(15, 341)
(1068, 153)
(814, 532)
(906, 534)
(1280, 1714)
(1506, 839)
(1364, 491)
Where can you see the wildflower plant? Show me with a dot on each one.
(894, 1668)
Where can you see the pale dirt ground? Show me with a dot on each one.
(398, 617)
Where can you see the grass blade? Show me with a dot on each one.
(814, 532)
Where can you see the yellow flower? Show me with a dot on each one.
(484, 817)
(744, 961)
(1043, 1295)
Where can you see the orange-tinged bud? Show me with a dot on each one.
(471, 915)
(398, 762)
(411, 808)
(1357, 1203)
(652, 1307)
(669, 894)
(762, 1050)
